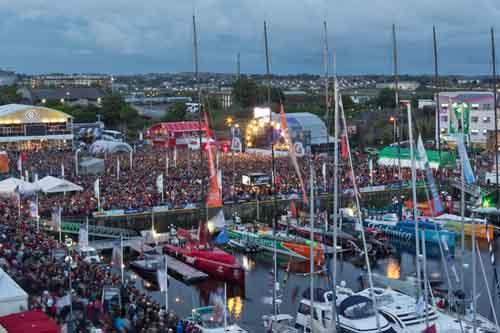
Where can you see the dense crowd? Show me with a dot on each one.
(135, 186)
(28, 257)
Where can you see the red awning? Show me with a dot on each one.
(29, 321)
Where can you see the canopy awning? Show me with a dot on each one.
(389, 157)
(51, 184)
(12, 186)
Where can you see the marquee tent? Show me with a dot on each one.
(389, 157)
(51, 184)
(13, 298)
(110, 147)
(9, 186)
(28, 321)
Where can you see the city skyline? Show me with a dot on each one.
(128, 38)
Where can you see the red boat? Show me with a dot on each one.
(209, 259)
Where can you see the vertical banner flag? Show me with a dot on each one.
(159, 183)
(370, 167)
(117, 168)
(175, 157)
(464, 160)
(83, 236)
(117, 256)
(422, 156)
(62, 170)
(162, 274)
(97, 191)
(291, 152)
(323, 172)
(214, 197)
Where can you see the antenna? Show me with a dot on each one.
(268, 69)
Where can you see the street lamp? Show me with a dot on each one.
(394, 121)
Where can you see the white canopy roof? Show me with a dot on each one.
(9, 186)
(12, 296)
(104, 146)
(51, 184)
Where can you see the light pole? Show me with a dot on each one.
(394, 121)
(76, 161)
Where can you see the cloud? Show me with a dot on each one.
(156, 35)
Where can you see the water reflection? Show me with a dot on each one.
(393, 270)
(248, 263)
(235, 306)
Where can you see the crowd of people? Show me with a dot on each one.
(134, 185)
(28, 256)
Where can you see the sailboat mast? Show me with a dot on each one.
(462, 204)
(200, 108)
(335, 201)
(325, 67)
(414, 195)
(396, 95)
(436, 85)
(494, 72)
(311, 245)
(273, 172)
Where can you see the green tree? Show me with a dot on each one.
(245, 92)
(111, 107)
(386, 98)
(9, 95)
(176, 112)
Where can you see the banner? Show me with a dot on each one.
(464, 159)
(97, 192)
(422, 156)
(370, 167)
(162, 274)
(159, 183)
(83, 236)
(323, 172)
(62, 171)
(34, 208)
(291, 152)
(214, 196)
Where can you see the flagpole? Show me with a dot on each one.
(37, 215)
(121, 258)
(59, 222)
(165, 258)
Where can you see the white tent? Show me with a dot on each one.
(13, 298)
(51, 184)
(9, 186)
(110, 147)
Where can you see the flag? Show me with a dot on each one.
(436, 200)
(35, 177)
(117, 256)
(464, 160)
(117, 168)
(343, 146)
(97, 192)
(175, 157)
(34, 208)
(207, 125)
(162, 274)
(131, 159)
(62, 170)
(219, 221)
(214, 196)
(291, 152)
(83, 236)
(159, 183)
(20, 165)
(56, 218)
(323, 172)
(293, 209)
(370, 167)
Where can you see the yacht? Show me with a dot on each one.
(355, 313)
(210, 319)
(406, 316)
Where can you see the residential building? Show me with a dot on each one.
(478, 115)
(72, 96)
(403, 85)
(73, 80)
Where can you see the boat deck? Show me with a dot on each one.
(188, 273)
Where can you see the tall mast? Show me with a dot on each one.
(273, 173)
(325, 67)
(396, 94)
(200, 109)
(436, 88)
(238, 66)
(414, 195)
(268, 66)
(335, 200)
(494, 69)
(311, 244)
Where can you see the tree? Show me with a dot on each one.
(245, 92)
(176, 112)
(111, 107)
(9, 95)
(386, 98)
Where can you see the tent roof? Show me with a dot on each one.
(9, 185)
(29, 321)
(104, 146)
(51, 184)
(448, 159)
(9, 109)
(9, 289)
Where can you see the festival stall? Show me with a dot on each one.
(392, 156)
(13, 298)
(13, 186)
(109, 147)
(51, 184)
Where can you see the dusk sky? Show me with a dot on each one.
(124, 36)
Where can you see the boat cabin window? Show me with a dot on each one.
(304, 309)
(359, 310)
